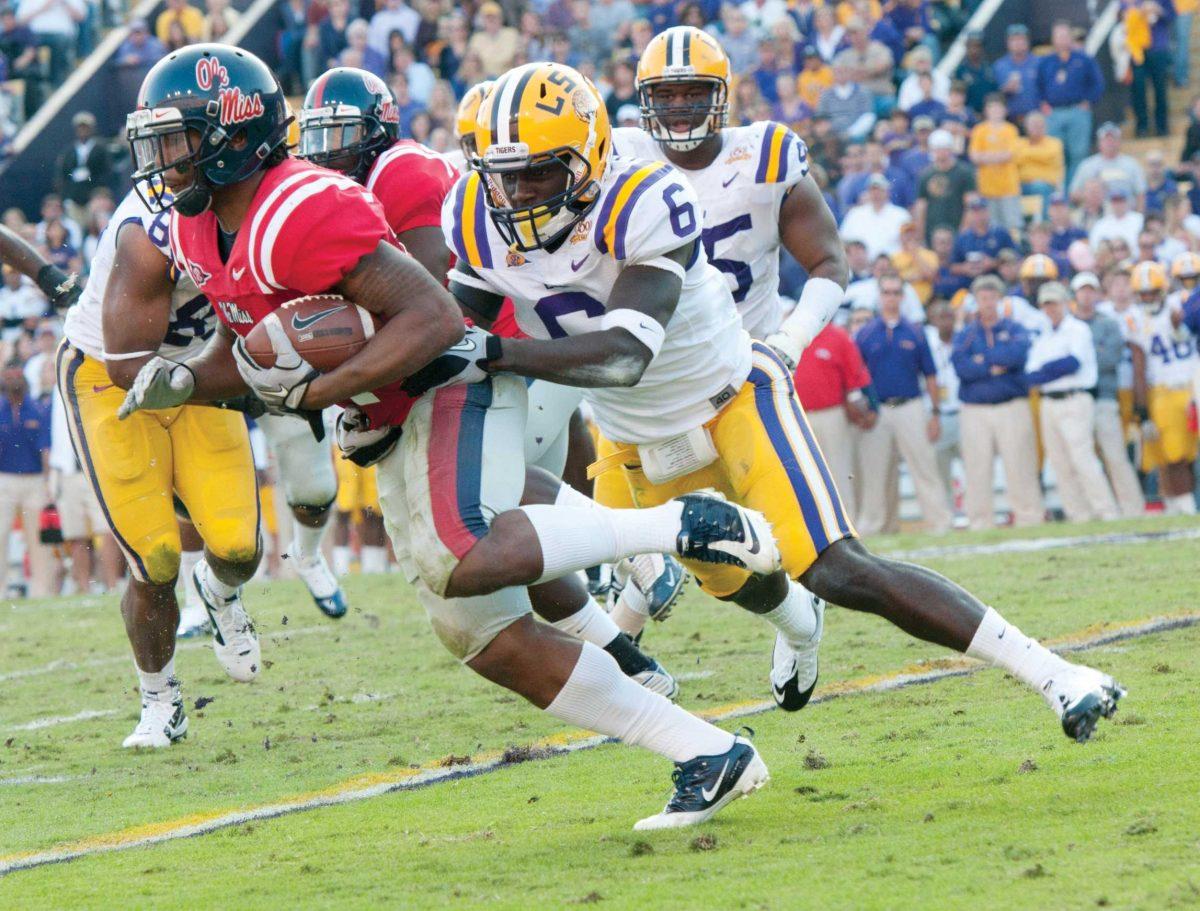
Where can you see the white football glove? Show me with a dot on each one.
(361, 444)
(283, 386)
(465, 362)
(159, 384)
(786, 347)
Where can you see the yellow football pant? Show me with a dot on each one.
(1175, 443)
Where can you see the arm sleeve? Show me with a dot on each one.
(1052, 370)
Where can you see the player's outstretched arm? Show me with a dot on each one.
(420, 321)
(642, 301)
(809, 232)
(62, 289)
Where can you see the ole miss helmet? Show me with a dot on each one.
(349, 117)
(208, 114)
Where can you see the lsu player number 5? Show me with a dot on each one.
(604, 260)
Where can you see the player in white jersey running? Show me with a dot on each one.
(604, 261)
(197, 454)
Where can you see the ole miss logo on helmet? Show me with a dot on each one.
(233, 105)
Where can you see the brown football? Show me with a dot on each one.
(326, 329)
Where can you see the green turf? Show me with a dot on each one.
(1075, 830)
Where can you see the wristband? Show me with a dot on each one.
(819, 301)
(50, 278)
(493, 350)
(646, 329)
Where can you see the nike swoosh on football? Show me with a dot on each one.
(709, 795)
(726, 183)
(576, 266)
(303, 322)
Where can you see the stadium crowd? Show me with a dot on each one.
(992, 228)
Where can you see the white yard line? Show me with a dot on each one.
(1030, 545)
(38, 723)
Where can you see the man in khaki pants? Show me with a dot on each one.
(989, 358)
(24, 452)
(1062, 363)
(898, 358)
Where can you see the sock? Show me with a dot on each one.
(187, 562)
(1183, 504)
(1001, 644)
(794, 617)
(631, 611)
(306, 542)
(590, 623)
(221, 589)
(598, 697)
(158, 683)
(573, 537)
(569, 496)
(374, 559)
(341, 559)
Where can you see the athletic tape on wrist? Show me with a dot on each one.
(819, 301)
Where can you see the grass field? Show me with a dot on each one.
(957, 792)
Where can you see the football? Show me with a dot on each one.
(326, 329)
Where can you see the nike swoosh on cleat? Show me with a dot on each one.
(303, 322)
(709, 795)
(754, 547)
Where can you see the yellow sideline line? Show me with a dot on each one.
(372, 784)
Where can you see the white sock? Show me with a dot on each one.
(306, 542)
(631, 611)
(573, 537)
(1183, 504)
(569, 496)
(598, 697)
(341, 559)
(374, 559)
(1000, 643)
(159, 683)
(187, 563)
(590, 623)
(221, 589)
(794, 617)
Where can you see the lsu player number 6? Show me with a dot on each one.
(604, 260)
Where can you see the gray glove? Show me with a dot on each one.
(283, 386)
(359, 442)
(160, 383)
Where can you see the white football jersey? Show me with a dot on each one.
(741, 193)
(192, 318)
(1171, 356)
(644, 210)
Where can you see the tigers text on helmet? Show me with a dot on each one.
(210, 113)
(349, 117)
(683, 56)
(464, 117)
(1149, 283)
(542, 124)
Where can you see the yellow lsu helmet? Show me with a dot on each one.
(464, 117)
(683, 56)
(1038, 267)
(543, 127)
(1186, 268)
(1149, 283)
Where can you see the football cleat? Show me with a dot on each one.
(234, 640)
(714, 530)
(322, 585)
(657, 679)
(1081, 696)
(794, 671)
(704, 785)
(657, 578)
(162, 723)
(193, 622)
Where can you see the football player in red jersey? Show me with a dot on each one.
(256, 229)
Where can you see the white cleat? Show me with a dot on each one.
(713, 530)
(650, 584)
(1081, 696)
(704, 785)
(193, 619)
(794, 671)
(162, 723)
(657, 679)
(323, 585)
(234, 639)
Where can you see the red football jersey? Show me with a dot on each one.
(306, 229)
(411, 181)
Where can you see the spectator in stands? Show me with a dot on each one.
(916, 158)
(864, 293)
(977, 248)
(18, 51)
(1150, 48)
(849, 107)
(876, 222)
(331, 33)
(790, 109)
(612, 15)
(52, 212)
(177, 39)
(454, 36)
(920, 61)
(1062, 364)
(927, 106)
(293, 29)
(83, 166)
(1185, 11)
(1119, 222)
(989, 357)
(140, 48)
(393, 16)
(817, 76)
(59, 250)
(661, 14)
(993, 150)
(830, 380)
(20, 300)
(219, 18)
(55, 26)
(943, 186)
(359, 53)
(827, 36)
(763, 14)
(24, 451)
(591, 41)
(1162, 192)
(911, 19)
(405, 105)
(1069, 83)
(739, 42)
(870, 63)
(917, 265)
(420, 77)
(898, 359)
(975, 73)
(99, 213)
(1065, 230)
(190, 19)
(939, 334)
(947, 285)
(624, 88)
(1017, 73)
(495, 43)
(1040, 236)
(1041, 164)
(1109, 165)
